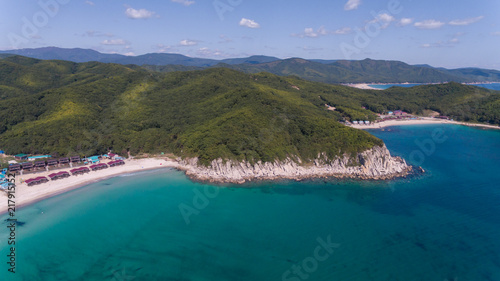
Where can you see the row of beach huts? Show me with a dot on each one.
(52, 162)
(73, 172)
(361, 122)
(14, 167)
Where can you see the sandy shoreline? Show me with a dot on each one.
(26, 195)
(363, 86)
(421, 121)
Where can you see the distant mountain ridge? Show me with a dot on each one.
(327, 71)
(86, 55)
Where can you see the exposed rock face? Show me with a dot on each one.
(376, 163)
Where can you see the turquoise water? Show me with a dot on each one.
(492, 86)
(387, 86)
(442, 225)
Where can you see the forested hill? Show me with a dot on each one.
(62, 108)
(66, 108)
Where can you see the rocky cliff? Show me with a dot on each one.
(376, 163)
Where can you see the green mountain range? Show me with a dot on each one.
(327, 71)
(67, 108)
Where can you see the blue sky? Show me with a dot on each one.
(443, 33)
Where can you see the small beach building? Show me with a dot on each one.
(14, 167)
(355, 122)
(112, 156)
(116, 163)
(51, 162)
(64, 160)
(367, 122)
(21, 156)
(400, 113)
(60, 175)
(93, 159)
(27, 165)
(95, 167)
(39, 164)
(37, 180)
(64, 174)
(75, 159)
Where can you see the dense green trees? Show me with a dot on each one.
(64, 108)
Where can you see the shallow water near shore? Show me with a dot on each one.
(442, 225)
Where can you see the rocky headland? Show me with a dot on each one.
(376, 163)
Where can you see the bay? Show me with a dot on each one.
(159, 225)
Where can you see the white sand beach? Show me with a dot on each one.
(363, 86)
(420, 121)
(29, 194)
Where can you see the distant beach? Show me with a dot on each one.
(362, 86)
(420, 121)
(384, 86)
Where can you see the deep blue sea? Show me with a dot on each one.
(492, 86)
(158, 225)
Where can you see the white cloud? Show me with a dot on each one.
(184, 2)
(114, 42)
(165, 48)
(466, 21)
(441, 44)
(139, 14)
(405, 21)
(384, 20)
(385, 17)
(209, 53)
(188, 43)
(89, 3)
(345, 30)
(309, 32)
(249, 23)
(429, 24)
(496, 33)
(352, 5)
(322, 31)
(129, 54)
